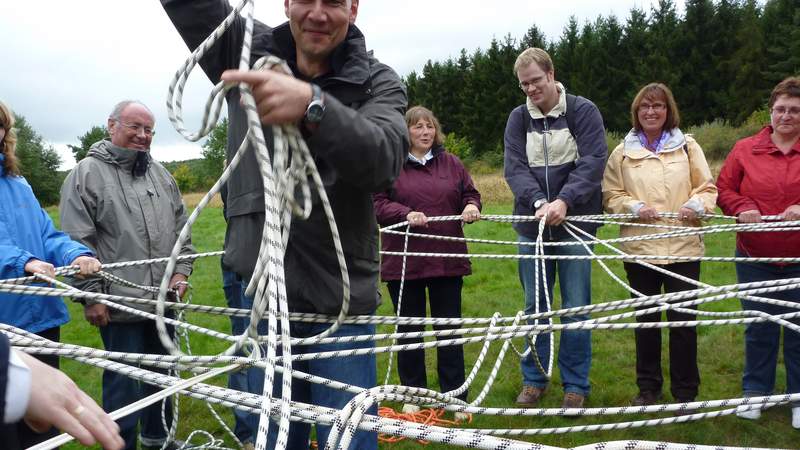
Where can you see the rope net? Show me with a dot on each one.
(291, 169)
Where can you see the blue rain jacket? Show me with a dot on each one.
(26, 232)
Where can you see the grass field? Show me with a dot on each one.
(494, 287)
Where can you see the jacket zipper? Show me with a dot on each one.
(545, 131)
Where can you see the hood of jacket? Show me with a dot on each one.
(109, 153)
(123, 159)
(634, 149)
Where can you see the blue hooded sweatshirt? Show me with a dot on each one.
(26, 232)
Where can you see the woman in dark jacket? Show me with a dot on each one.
(432, 183)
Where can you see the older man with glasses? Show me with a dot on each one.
(126, 206)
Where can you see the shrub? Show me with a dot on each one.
(716, 138)
(755, 122)
(187, 181)
(459, 146)
(613, 139)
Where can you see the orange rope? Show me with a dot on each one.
(424, 416)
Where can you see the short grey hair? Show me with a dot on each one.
(116, 113)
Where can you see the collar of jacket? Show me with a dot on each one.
(559, 110)
(436, 151)
(109, 153)
(763, 142)
(634, 149)
(2, 164)
(349, 61)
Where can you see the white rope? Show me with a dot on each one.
(283, 175)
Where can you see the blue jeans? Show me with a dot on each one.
(120, 390)
(247, 380)
(761, 340)
(355, 370)
(575, 350)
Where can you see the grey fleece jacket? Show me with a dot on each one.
(123, 218)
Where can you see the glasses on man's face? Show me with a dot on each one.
(781, 110)
(524, 85)
(658, 107)
(136, 128)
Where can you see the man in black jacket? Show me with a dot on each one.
(350, 108)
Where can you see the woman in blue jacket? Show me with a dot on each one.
(30, 243)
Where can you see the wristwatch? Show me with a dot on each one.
(538, 204)
(316, 108)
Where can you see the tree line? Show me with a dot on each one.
(721, 59)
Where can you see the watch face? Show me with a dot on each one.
(315, 112)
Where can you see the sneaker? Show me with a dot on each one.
(684, 411)
(573, 400)
(410, 408)
(796, 417)
(530, 395)
(646, 398)
(751, 414)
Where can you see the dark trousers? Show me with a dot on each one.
(28, 437)
(762, 340)
(120, 390)
(445, 302)
(683, 371)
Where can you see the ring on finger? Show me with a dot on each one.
(78, 411)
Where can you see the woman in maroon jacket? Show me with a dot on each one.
(761, 177)
(432, 183)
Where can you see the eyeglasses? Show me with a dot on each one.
(781, 110)
(136, 128)
(657, 107)
(524, 85)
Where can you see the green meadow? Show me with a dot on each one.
(494, 287)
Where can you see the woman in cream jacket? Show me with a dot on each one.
(657, 170)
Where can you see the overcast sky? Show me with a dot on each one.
(66, 63)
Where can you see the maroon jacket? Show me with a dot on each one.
(757, 175)
(442, 187)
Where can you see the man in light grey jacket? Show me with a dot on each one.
(125, 206)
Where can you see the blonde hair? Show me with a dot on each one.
(656, 91)
(9, 143)
(533, 55)
(417, 113)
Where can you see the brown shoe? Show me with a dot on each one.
(646, 398)
(530, 395)
(573, 400)
(685, 411)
